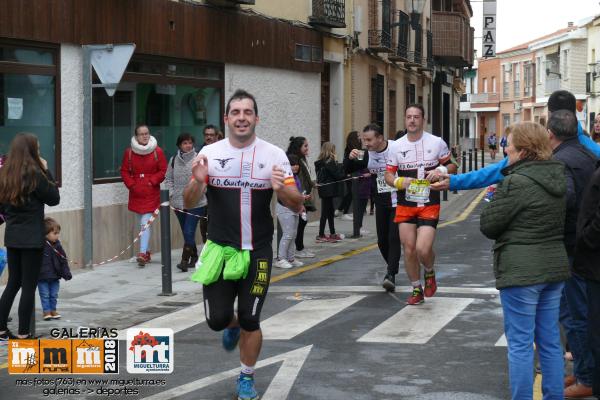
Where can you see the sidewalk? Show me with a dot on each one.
(120, 294)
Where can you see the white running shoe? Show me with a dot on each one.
(347, 217)
(364, 231)
(296, 263)
(282, 264)
(337, 213)
(305, 254)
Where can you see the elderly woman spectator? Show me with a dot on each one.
(526, 218)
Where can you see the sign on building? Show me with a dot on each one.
(489, 28)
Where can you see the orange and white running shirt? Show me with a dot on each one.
(239, 192)
(415, 159)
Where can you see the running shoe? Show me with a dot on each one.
(245, 388)
(389, 283)
(6, 335)
(336, 237)
(322, 239)
(416, 297)
(430, 284)
(282, 264)
(305, 254)
(348, 217)
(231, 337)
(296, 263)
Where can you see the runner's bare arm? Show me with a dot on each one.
(286, 190)
(197, 184)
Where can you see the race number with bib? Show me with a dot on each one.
(418, 191)
(382, 186)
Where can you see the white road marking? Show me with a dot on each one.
(417, 324)
(279, 388)
(369, 289)
(178, 320)
(303, 316)
(502, 341)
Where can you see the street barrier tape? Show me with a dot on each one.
(146, 226)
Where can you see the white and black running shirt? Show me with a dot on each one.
(239, 192)
(384, 194)
(415, 159)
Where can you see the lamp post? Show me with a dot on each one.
(415, 7)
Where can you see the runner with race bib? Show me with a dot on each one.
(414, 161)
(375, 159)
(240, 175)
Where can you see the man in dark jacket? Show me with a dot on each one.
(579, 167)
(586, 265)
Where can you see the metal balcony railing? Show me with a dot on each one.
(400, 52)
(380, 41)
(328, 13)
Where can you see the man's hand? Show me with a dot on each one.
(442, 184)
(354, 154)
(277, 178)
(200, 168)
(433, 175)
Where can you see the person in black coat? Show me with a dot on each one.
(54, 267)
(586, 265)
(328, 171)
(26, 185)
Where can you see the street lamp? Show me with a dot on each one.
(416, 9)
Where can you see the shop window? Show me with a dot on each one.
(180, 98)
(28, 100)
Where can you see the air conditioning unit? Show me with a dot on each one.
(517, 105)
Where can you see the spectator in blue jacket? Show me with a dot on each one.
(559, 100)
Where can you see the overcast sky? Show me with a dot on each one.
(519, 21)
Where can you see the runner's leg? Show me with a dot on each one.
(408, 237)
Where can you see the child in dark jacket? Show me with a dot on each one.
(54, 267)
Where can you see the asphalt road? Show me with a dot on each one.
(333, 333)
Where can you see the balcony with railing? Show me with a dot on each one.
(400, 52)
(452, 38)
(328, 13)
(380, 41)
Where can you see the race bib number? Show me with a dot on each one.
(418, 191)
(382, 186)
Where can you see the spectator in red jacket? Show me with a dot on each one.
(143, 169)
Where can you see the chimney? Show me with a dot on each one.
(570, 24)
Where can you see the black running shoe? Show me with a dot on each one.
(389, 283)
(7, 335)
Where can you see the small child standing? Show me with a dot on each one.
(288, 220)
(54, 267)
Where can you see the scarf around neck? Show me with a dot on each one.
(143, 149)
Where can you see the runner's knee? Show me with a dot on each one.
(249, 323)
(220, 320)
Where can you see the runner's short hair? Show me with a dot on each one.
(375, 128)
(416, 105)
(241, 94)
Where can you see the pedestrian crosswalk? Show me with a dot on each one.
(409, 325)
(404, 325)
